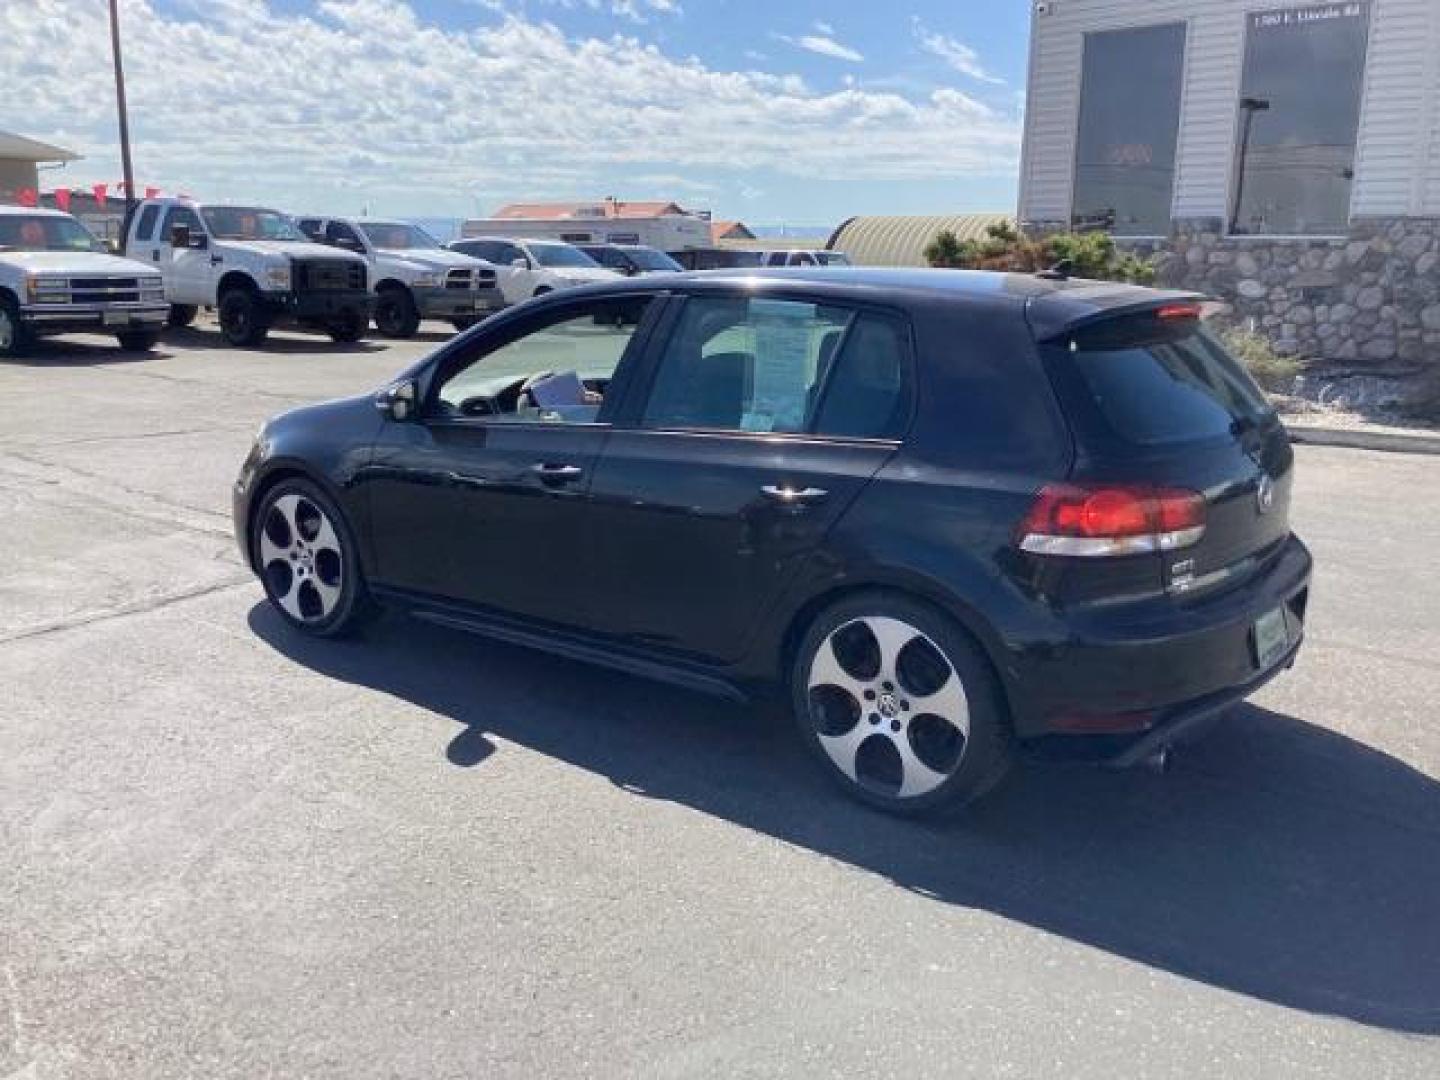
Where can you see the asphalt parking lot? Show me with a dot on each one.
(226, 851)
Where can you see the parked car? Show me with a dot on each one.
(56, 277)
(631, 259)
(527, 268)
(411, 275)
(953, 515)
(251, 264)
(803, 257)
(715, 258)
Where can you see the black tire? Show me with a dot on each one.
(15, 336)
(138, 340)
(347, 327)
(395, 313)
(181, 315)
(543, 290)
(243, 321)
(314, 585)
(888, 723)
(464, 322)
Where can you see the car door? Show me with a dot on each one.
(763, 420)
(191, 270)
(482, 500)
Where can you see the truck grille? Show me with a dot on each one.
(459, 279)
(104, 290)
(328, 275)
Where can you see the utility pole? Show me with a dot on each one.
(120, 105)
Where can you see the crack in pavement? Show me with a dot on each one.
(207, 430)
(142, 607)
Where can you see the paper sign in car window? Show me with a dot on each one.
(783, 349)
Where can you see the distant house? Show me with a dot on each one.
(20, 159)
(729, 230)
(605, 208)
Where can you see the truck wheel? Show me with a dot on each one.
(395, 314)
(14, 336)
(347, 326)
(542, 290)
(464, 322)
(181, 315)
(138, 340)
(242, 321)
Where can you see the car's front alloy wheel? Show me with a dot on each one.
(901, 706)
(306, 560)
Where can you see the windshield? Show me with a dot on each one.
(561, 255)
(1159, 386)
(833, 258)
(41, 232)
(397, 236)
(650, 259)
(249, 223)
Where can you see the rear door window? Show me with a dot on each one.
(1155, 384)
(146, 229)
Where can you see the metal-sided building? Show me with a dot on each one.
(1285, 158)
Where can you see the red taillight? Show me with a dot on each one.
(1178, 311)
(1112, 520)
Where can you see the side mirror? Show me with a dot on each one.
(347, 243)
(399, 401)
(520, 264)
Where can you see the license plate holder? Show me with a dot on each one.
(1270, 638)
(116, 318)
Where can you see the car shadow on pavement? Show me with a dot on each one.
(67, 352)
(1276, 859)
(278, 341)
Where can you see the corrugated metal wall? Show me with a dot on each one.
(1398, 164)
(901, 241)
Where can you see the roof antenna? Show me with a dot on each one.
(1059, 272)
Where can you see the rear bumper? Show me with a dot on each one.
(102, 318)
(1134, 677)
(449, 304)
(318, 306)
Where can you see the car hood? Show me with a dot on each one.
(431, 258)
(75, 262)
(288, 249)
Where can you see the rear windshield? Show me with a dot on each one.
(1157, 383)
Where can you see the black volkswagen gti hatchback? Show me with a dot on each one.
(954, 515)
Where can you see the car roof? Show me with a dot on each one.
(1053, 305)
(30, 211)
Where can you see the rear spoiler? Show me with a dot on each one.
(1062, 313)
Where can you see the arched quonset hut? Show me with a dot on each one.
(901, 241)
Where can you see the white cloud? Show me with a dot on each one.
(235, 100)
(825, 46)
(824, 28)
(957, 54)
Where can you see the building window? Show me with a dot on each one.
(1299, 112)
(1129, 118)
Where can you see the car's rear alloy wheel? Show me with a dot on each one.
(306, 561)
(901, 706)
(14, 338)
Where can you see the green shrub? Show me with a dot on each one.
(1272, 371)
(1005, 248)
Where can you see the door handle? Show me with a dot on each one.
(155, 255)
(216, 260)
(557, 474)
(789, 496)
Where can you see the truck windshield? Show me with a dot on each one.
(249, 223)
(650, 259)
(397, 236)
(41, 232)
(560, 255)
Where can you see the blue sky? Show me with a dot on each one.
(784, 111)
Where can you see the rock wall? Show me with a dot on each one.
(1372, 299)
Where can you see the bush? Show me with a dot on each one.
(1087, 255)
(1272, 371)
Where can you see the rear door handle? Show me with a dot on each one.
(216, 260)
(789, 496)
(557, 474)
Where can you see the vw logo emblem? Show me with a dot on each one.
(1265, 494)
(888, 705)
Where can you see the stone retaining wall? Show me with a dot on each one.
(1370, 299)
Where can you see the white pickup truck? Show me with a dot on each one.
(55, 278)
(411, 275)
(252, 265)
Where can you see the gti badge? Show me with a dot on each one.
(1265, 494)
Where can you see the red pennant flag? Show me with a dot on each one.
(151, 192)
(99, 192)
(28, 196)
(62, 199)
